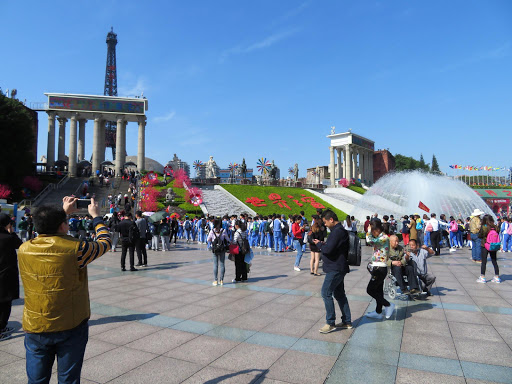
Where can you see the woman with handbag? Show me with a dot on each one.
(236, 249)
(317, 232)
(490, 247)
(379, 269)
(220, 242)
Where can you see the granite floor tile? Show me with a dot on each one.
(471, 350)
(474, 331)
(162, 341)
(454, 315)
(356, 353)
(202, 350)
(214, 375)
(128, 332)
(299, 367)
(114, 363)
(408, 376)
(16, 347)
(345, 371)
(97, 347)
(159, 370)
(7, 358)
(218, 316)
(186, 311)
(436, 346)
(289, 327)
(430, 364)
(252, 321)
(492, 373)
(249, 356)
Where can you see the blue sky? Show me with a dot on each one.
(256, 79)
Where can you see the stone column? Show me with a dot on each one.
(338, 163)
(61, 154)
(371, 168)
(331, 167)
(96, 145)
(344, 173)
(348, 162)
(50, 151)
(141, 155)
(364, 166)
(72, 146)
(81, 139)
(368, 159)
(120, 154)
(354, 163)
(358, 163)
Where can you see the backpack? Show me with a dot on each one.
(354, 249)
(165, 230)
(245, 248)
(23, 225)
(429, 227)
(454, 227)
(266, 227)
(88, 225)
(285, 228)
(509, 229)
(188, 226)
(81, 225)
(218, 245)
(203, 223)
(405, 228)
(133, 234)
(493, 243)
(256, 227)
(419, 225)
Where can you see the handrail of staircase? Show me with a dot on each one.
(43, 193)
(62, 181)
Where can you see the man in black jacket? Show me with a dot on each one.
(335, 265)
(124, 232)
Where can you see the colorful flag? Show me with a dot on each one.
(424, 207)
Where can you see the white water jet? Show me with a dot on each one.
(400, 193)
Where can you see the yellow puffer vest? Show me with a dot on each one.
(56, 290)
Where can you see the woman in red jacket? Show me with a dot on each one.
(298, 235)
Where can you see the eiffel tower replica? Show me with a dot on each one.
(111, 89)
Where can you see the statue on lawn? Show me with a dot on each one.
(211, 169)
(296, 172)
(243, 169)
(273, 171)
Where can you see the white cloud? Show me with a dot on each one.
(161, 119)
(262, 44)
(136, 89)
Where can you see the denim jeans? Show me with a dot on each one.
(297, 246)
(453, 239)
(278, 241)
(68, 346)
(220, 257)
(426, 239)
(269, 240)
(263, 240)
(334, 286)
(475, 250)
(507, 242)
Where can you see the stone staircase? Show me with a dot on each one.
(55, 197)
(219, 203)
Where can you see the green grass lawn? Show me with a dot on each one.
(357, 189)
(243, 192)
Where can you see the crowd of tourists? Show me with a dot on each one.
(56, 322)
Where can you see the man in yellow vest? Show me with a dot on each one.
(53, 268)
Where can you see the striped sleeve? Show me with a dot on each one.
(89, 251)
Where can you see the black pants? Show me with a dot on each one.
(142, 255)
(5, 312)
(175, 235)
(126, 246)
(420, 237)
(240, 268)
(398, 272)
(435, 238)
(494, 261)
(376, 287)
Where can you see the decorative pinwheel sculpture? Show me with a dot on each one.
(197, 164)
(263, 165)
(233, 166)
(290, 170)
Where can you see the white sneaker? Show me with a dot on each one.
(374, 315)
(214, 283)
(297, 269)
(389, 310)
(452, 249)
(481, 280)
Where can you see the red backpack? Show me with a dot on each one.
(493, 241)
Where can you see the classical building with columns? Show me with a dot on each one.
(77, 110)
(357, 154)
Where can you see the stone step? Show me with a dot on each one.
(218, 203)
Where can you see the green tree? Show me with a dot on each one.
(406, 163)
(435, 166)
(16, 155)
(422, 164)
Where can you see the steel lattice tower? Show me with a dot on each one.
(111, 89)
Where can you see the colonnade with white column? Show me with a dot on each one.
(357, 163)
(77, 126)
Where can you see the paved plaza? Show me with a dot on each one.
(168, 324)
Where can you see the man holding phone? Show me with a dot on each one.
(53, 268)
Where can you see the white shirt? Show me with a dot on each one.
(435, 224)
